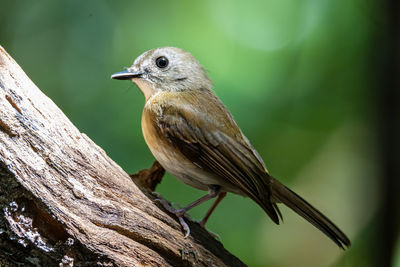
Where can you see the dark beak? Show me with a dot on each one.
(126, 75)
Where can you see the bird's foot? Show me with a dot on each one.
(164, 203)
(184, 225)
(203, 224)
(180, 213)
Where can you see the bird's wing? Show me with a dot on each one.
(205, 132)
(211, 139)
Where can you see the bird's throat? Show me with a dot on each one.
(147, 88)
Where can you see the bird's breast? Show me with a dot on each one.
(169, 156)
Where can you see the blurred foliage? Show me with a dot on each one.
(296, 75)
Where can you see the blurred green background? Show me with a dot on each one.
(296, 76)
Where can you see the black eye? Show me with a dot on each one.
(162, 62)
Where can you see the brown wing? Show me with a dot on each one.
(203, 130)
(214, 142)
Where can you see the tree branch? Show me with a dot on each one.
(64, 201)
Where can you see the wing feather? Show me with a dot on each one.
(215, 150)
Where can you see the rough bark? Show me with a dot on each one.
(65, 202)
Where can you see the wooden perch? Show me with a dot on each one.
(64, 202)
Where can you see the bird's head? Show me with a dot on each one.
(166, 69)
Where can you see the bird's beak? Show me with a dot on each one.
(126, 75)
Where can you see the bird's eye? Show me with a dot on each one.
(162, 62)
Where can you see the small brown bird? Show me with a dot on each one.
(195, 138)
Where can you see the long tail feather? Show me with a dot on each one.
(286, 196)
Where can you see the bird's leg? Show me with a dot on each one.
(213, 191)
(221, 195)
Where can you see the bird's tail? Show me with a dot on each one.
(286, 196)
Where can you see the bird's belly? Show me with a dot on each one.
(182, 168)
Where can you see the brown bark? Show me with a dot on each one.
(64, 201)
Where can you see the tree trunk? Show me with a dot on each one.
(64, 202)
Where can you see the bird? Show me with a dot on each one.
(196, 139)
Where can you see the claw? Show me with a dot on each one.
(184, 226)
(180, 213)
(216, 236)
(165, 204)
(202, 224)
(214, 190)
